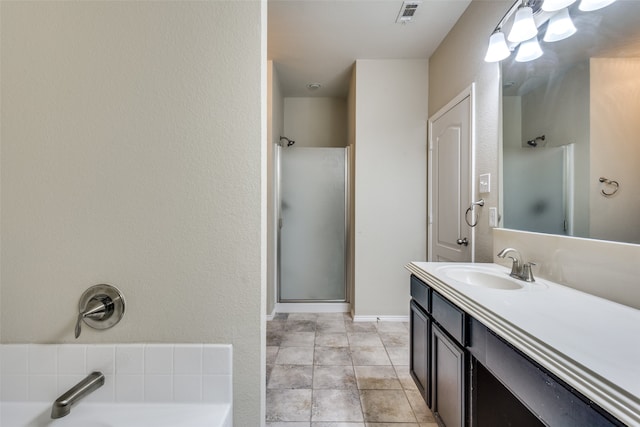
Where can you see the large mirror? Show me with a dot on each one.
(571, 130)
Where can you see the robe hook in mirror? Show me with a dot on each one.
(612, 183)
(288, 141)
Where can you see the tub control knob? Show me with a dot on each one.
(100, 307)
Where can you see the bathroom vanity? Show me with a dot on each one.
(491, 350)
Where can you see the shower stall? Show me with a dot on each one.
(312, 205)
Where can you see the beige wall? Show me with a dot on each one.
(316, 122)
(132, 142)
(456, 64)
(275, 126)
(512, 118)
(390, 181)
(615, 148)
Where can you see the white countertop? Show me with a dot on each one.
(589, 342)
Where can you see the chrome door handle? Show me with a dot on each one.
(462, 242)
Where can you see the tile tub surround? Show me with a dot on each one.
(184, 373)
(324, 370)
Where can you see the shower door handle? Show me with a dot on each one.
(463, 242)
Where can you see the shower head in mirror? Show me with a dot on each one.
(538, 140)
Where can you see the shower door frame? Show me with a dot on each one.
(347, 231)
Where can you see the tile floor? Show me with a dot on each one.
(324, 370)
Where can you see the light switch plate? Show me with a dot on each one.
(485, 183)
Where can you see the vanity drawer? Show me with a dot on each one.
(450, 317)
(421, 293)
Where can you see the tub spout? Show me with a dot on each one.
(62, 405)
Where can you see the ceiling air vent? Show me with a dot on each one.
(407, 11)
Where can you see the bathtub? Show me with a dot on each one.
(89, 414)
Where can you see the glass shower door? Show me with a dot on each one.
(538, 189)
(312, 225)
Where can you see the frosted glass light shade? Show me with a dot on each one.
(524, 27)
(560, 27)
(553, 5)
(498, 49)
(591, 5)
(529, 50)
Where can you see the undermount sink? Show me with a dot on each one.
(482, 277)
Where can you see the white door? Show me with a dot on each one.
(450, 172)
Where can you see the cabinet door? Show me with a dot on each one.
(420, 350)
(448, 379)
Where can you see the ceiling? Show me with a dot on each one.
(317, 41)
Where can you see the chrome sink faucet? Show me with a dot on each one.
(62, 405)
(519, 270)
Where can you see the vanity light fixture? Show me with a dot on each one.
(497, 43)
(498, 49)
(524, 30)
(591, 5)
(553, 5)
(560, 27)
(529, 50)
(524, 27)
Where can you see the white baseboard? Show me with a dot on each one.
(311, 307)
(380, 318)
(272, 315)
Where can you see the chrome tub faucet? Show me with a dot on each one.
(519, 270)
(62, 405)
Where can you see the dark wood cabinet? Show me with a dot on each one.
(448, 373)
(438, 358)
(420, 350)
(520, 391)
(469, 376)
